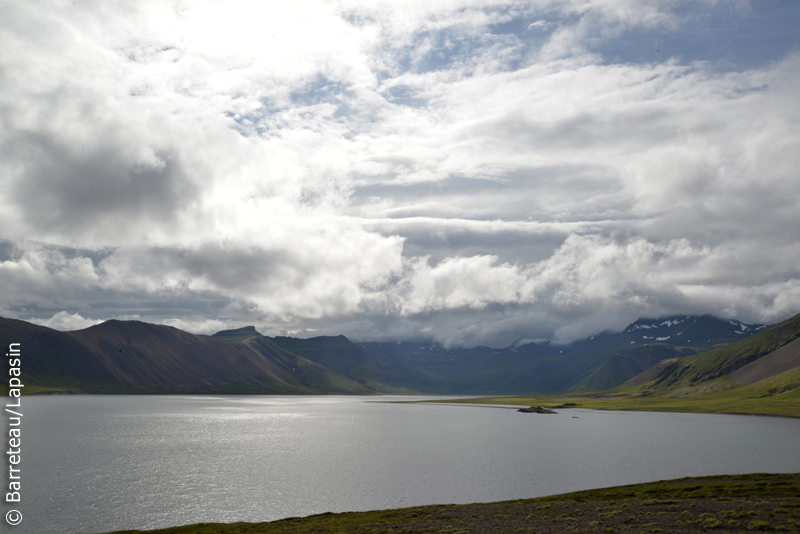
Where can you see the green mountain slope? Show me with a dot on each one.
(783, 359)
(628, 363)
(767, 366)
(708, 366)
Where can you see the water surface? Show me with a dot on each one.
(101, 463)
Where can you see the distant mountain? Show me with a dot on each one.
(132, 356)
(705, 331)
(654, 340)
(374, 371)
(546, 368)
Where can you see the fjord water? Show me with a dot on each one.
(101, 463)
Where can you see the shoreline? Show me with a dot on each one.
(620, 403)
(588, 403)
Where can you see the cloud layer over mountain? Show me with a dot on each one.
(475, 172)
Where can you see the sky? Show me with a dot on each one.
(461, 171)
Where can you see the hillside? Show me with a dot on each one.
(705, 367)
(314, 376)
(627, 364)
(784, 359)
(52, 357)
(137, 357)
(756, 375)
(373, 371)
(141, 354)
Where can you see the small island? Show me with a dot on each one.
(535, 409)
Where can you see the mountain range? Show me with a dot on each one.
(756, 375)
(136, 357)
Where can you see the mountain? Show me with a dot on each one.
(52, 357)
(372, 370)
(132, 356)
(756, 375)
(626, 364)
(546, 368)
(777, 362)
(704, 332)
(479, 370)
(723, 362)
(651, 340)
(137, 357)
(759, 374)
(327, 364)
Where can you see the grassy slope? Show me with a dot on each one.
(723, 361)
(735, 503)
(697, 383)
(314, 377)
(628, 363)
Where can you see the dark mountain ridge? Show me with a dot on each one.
(132, 356)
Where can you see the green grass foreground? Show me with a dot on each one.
(731, 503)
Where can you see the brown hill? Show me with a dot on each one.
(49, 355)
(132, 356)
(141, 354)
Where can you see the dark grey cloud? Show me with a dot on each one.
(89, 189)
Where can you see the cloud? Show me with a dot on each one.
(472, 282)
(471, 172)
(37, 276)
(96, 193)
(305, 275)
(540, 25)
(66, 322)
